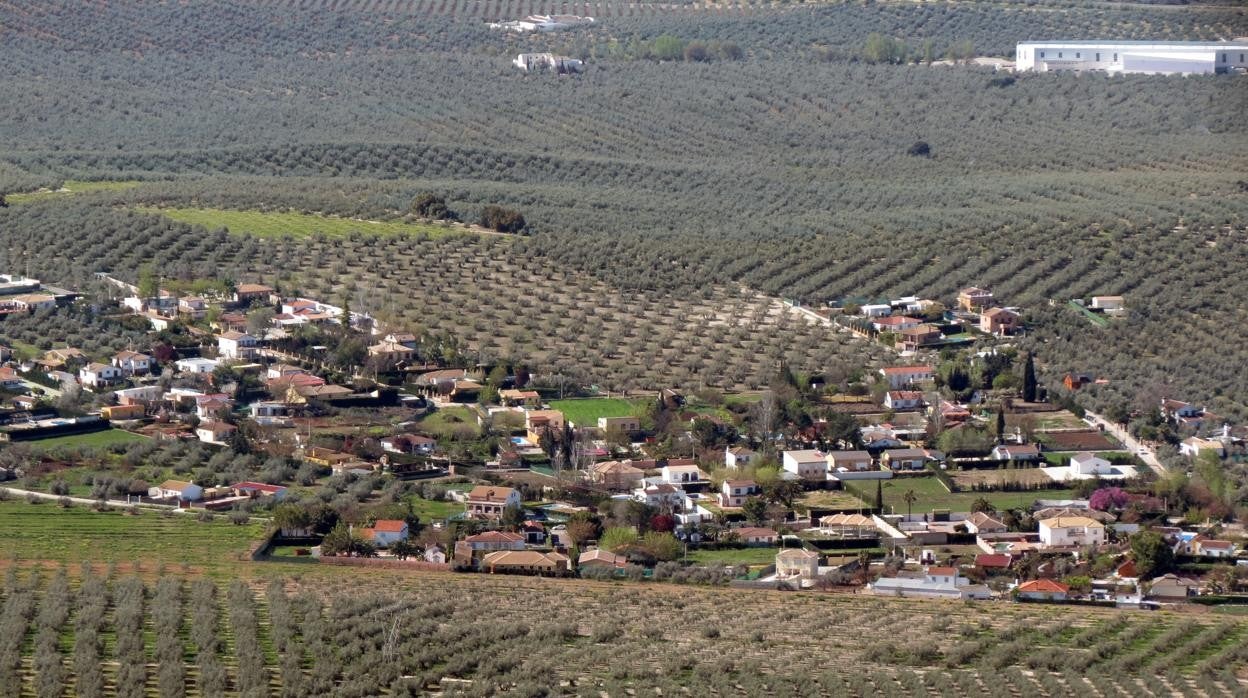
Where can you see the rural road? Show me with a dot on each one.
(13, 491)
(1137, 447)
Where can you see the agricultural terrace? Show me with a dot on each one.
(46, 531)
(268, 224)
(931, 494)
(70, 188)
(414, 633)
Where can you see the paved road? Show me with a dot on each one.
(1144, 451)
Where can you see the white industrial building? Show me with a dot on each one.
(1150, 57)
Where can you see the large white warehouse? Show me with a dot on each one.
(1156, 57)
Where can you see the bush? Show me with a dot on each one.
(504, 220)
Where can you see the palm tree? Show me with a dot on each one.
(909, 498)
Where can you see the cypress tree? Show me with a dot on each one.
(879, 496)
(1029, 379)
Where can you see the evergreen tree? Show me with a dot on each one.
(879, 495)
(1000, 433)
(1029, 379)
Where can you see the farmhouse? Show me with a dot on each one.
(489, 501)
(806, 465)
(849, 461)
(751, 535)
(904, 458)
(526, 562)
(409, 444)
(797, 563)
(617, 476)
(1193, 446)
(601, 558)
(902, 376)
(1018, 452)
(539, 422)
(733, 493)
(237, 346)
(919, 336)
(132, 363)
(495, 540)
(999, 321)
(1042, 590)
(936, 583)
(1066, 531)
(96, 374)
(662, 496)
(903, 399)
(385, 532)
(177, 489)
(974, 299)
(738, 457)
(628, 425)
(214, 432)
(246, 293)
(1124, 57)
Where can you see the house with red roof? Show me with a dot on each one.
(1042, 590)
(385, 532)
(993, 562)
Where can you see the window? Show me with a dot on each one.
(1098, 58)
(1042, 54)
(1115, 58)
(1059, 54)
(1077, 55)
(1241, 58)
(1224, 58)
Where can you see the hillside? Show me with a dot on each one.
(784, 169)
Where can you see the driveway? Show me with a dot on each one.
(1136, 446)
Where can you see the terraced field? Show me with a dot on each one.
(78, 534)
(412, 634)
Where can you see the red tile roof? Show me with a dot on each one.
(993, 561)
(389, 525)
(1047, 586)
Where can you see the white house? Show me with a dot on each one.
(1108, 303)
(662, 496)
(807, 464)
(139, 394)
(1209, 547)
(1194, 446)
(1066, 531)
(409, 444)
(681, 474)
(1085, 463)
(1122, 57)
(196, 365)
(236, 346)
(489, 501)
(936, 583)
(738, 457)
(903, 399)
(797, 563)
(214, 432)
(733, 493)
(876, 310)
(171, 489)
(901, 376)
(386, 532)
(97, 374)
(132, 363)
(1016, 452)
(1042, 590)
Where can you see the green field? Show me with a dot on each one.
(69, 188)
(431, 510)
(734, 556)
(95, 439)
(586, 411)
(45, 531)
(933, 495)
(290, 224)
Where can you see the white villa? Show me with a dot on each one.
(1121, 57)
